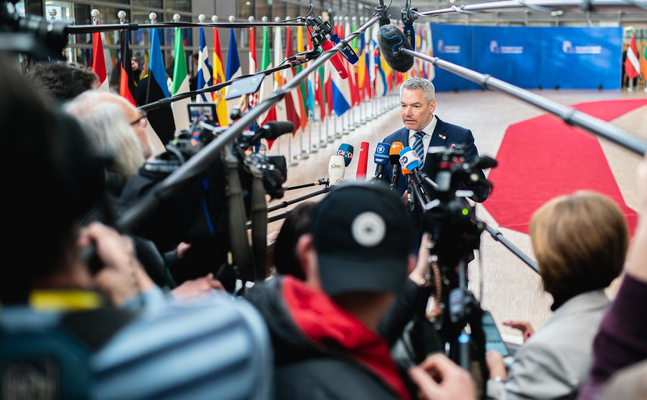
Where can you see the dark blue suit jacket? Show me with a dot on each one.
(453, 134)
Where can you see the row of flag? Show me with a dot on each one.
(370, 78)
(635, 64)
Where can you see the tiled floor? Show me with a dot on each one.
(511, 289)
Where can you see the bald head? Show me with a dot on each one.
(87, 102)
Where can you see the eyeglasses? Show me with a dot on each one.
(142, 121)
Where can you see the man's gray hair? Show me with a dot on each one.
(107, 127)
(428, 90)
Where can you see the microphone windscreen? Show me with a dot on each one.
(362, 164)
(336, 169)
(394, 152)
(275, 129)
(409, 159)
(391, 40)
(484, 162)
(346, 151)
(381, 156)
(406, 171)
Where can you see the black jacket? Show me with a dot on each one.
(321, 352)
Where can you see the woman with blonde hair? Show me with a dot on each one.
(580, 242)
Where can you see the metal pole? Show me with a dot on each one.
(567, 114)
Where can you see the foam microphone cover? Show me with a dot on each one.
(409, 159)
(362, 164)
(484, 162)
(394, 152)
(381, 156)
(391, 40)
(336, 169)
(346, 151)
(275, 129)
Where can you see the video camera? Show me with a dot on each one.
(199, 213)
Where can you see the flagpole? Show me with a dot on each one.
(314, 146)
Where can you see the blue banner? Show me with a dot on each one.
(453, 43)
(531, 57)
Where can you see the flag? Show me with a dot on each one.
(253, 65)
(381, 84)
(99, 61)
(180, 84)
(431, 71)
(233, 67)
(267, 87)
(328, 87)
(302, 90)
(312, 84)
(352, 77)
(127, 84)
(632, 65)
(320, 93)
(340, 88)
(292, 107)
(219, 77)
(153, 87)
(281, 112)
(643, 63)
(204, 70)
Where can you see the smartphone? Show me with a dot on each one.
(202, 112)
(493, 340)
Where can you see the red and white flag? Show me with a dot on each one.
(632, 63)
(253, 65)
(99, 61)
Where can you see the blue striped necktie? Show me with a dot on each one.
(418, 146)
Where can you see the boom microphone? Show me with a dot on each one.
(362, 164)
(270, 131)
(336, 169)
(394, 157)
(346, 151)
(409, 29)
(381, 158)
(391, 40)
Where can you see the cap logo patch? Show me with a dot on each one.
(368, 229)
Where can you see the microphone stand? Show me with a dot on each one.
(164, 102)
(287, 203)
(273, 218)
(145, 207)
(322, 181)
(568, 115)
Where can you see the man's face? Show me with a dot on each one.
(416, 112)
(137, 121)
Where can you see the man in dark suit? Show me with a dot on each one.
(423, 129)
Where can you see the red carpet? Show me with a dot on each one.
(542, 158)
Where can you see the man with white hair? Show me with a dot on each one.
(87, 103)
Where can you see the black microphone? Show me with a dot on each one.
(270, 131)
(391, 40)
(394, 157)
(308, 55)
(483, 162)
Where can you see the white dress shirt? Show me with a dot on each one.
(428, 130)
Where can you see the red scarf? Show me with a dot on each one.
(326, 324)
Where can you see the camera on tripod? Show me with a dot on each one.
(200, 213)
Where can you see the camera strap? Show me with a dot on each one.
(259, 222)
(237, 220)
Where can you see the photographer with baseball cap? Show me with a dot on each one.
(356, 261)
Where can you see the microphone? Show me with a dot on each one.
(308, 55)
(348, 52)
(391, 40)
(346, 151)
(409, 160)
(409, 30)
(270, 131)
(362, 164)
(381, 158)
(336, 169)
(394, 157)
(483, 162)
(321, 35)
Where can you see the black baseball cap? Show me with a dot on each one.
(362, 237)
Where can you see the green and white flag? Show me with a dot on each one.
(180, 84)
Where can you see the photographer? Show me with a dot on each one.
(580, 242)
